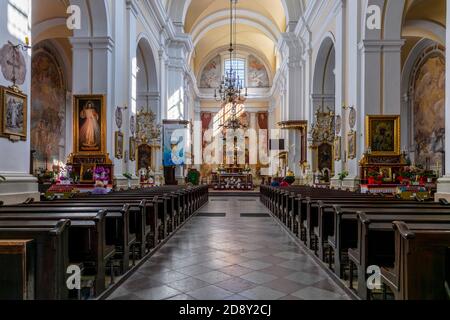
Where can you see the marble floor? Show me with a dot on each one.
(223, 256)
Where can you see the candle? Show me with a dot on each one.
(27, 41)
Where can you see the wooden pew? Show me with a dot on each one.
(345, 234)
(321, 216)
(116, 227)
(87, 243)
(139, 230)
(52, 258)
(410, 278)
(376, 241)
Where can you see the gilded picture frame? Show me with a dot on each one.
(337, 148)
(14, 114)
(87, 173)
(119, 145)
(132, 149)
(351, 145)
(383, 135)
(89, 124)
(386, 172)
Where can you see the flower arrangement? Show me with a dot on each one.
(343, 175)
(101, 174)
(290, 177)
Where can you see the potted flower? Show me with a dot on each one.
(193, 177)
(373, 177)
(429, 176)
(290, 177)
(406, 176)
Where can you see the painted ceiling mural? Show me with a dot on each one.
(48, 104)
(429, 111)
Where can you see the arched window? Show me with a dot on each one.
(239, 66)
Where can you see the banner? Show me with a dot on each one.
(175, 137)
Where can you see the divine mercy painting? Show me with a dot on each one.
(89, 124)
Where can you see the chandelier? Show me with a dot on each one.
(231, 87)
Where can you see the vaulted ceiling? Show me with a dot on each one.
(260, 25)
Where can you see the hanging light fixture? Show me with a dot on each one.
(231, 88)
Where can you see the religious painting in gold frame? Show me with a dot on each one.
(89, 124)
(337, 148)
(351, 145)
(14, 106)
(119, 145)
(144, 157)
(87, 173)
(383, 135)
(132, 147)
(386, 172)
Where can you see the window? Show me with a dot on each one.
(238, 66)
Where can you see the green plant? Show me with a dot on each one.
(429, 174)
(193, 177)
(373, 174)
(127, 175)
(343, 175)
(289, 179)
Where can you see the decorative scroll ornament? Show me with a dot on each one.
(119, 117)
(147, 129)
(352, 118)
(338, 125)
(323, 129)
(133, 125)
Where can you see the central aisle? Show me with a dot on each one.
(220, 255)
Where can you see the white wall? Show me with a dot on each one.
(15, 156)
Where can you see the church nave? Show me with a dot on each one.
(230, 258)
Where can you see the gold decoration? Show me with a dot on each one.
(383, 135)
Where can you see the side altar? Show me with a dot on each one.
(233, 178)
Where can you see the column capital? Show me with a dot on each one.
(92, 43)
(132, 6)
(381, 45)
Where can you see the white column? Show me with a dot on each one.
(253, 149)
(175, 88)
(392, 76)
(340, 83)
(354, 90)
(444, 183)
(15, 156)
(197, 139)
(131, 17)
(371, 78)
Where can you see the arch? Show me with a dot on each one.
(292, 9)
(146, 50)
(147, 86)
(95, 19)
(427, 29)
(324, 80)
(421, 52)
(239, 48)
(392, 20)
(221, 18)
(50, 82)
